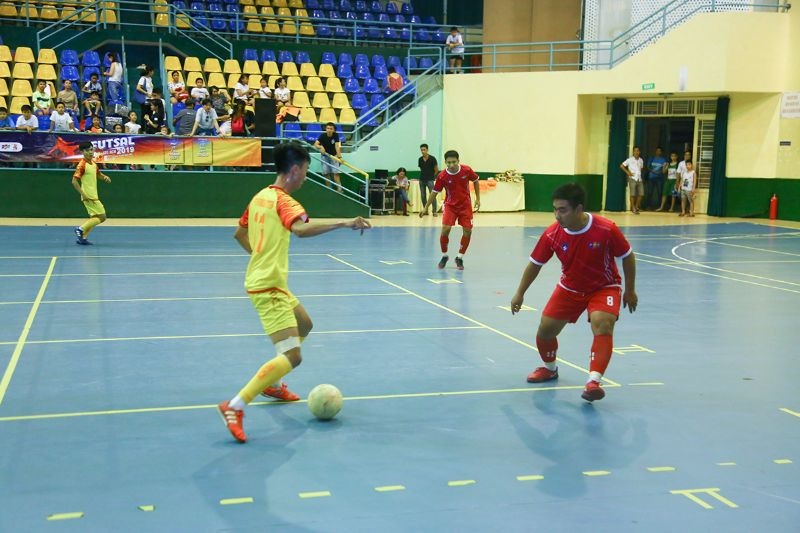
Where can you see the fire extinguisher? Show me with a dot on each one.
(773, 207)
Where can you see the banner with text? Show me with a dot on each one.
(130, 149)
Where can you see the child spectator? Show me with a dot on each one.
(282, 94)
(264, 91)
(60, 120)
(93, 85)
(455, 47)
(132, 126)
(242, 90)
(93, 106)
(671, 185)
(27, 121)
(687, 190)
(199, 92)
(177, 89)
(41, 100)
(5, 121)
(96, 125)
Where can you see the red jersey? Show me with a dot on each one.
(457, 186)
(587, 256)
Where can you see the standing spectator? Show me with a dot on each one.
(455, 45)
(114, 83)
(5, 121)
(657, 166)
(428, 169)
(671, 184)
(205, 121)
(402, 189)
(199, 92)
(688, 185)
(184, 121)
(587, 246)
(282, 94)
(687, 156)
(41, 100)
(92, 86)
(144, 87)
(633, 169)
(328, 143)
(132, 126)
(70, 99)
(458, 206)
(27, 121)
(60, 120)
(242, 90)
(264, 91)
(177, 89)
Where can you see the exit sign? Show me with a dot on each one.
(648, 86)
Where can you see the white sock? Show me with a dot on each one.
(595, 376)
(460, 256)
(237, 403)
(552, 366)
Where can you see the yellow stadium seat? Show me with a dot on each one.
(246, 2)
(233, 79)
(162, 20)
(172, 63)
(5, 54)
(307, 29)
(182, 21)
(347, 116)
(250, 10)
(216, 79)
(211, 64)
(300, 99)
(262, 3)
(307, 70)
(273, 80)
(68, 13)
(109, 5)
(5, 72)
(284, 12)
(16, 104)
(266, 10)
(23, 54)
(280, 3)
(22, 71)
(232, 67)
(108, 16)
(251, 67)
(307, 114)
(293, 83)
(21, 88)
(30, 10)
(49, 12)
(3, 88)
(289, 69)
(289, 28)
(314, 85)
(334, 85)
(327, 115)
(270, 68)
(160, 6)
(7, 10)
(254, 26)
(326, 71)
(3, 102)
(301, 13)
(297, 4)
(340, 101)
(271, 26)
(321, 101)
(191, 79)
(46, 72)
(254, 82)
(192, 64)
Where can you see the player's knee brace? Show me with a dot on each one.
(281, 347)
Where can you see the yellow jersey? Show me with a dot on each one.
(86, 172)
(268, 219)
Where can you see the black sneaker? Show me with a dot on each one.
(459, 263)
(443, 261)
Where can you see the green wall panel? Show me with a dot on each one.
(749, 197)
(539, 189)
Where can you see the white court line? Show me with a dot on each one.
(242, 255)
(192, 298)
(233, 335)
(12, 364)
(210, 273)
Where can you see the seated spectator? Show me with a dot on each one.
(242, 90)
(394, 81)
(93, 85)
(205, 121)
(282, 94)
(241, 121)
(402, 190)
(96, 125)
(27, 121)
(132, 126)
(5, 121)
(93, 105)
(114, 83)
(199, 92)
(264, 91)
(164, 131)
(155, 116)
(61, 121)
(225, 123)
(177, 89)
(219, 101)
(42, 102)
(184, 121)
(118, 128)
(70, 99)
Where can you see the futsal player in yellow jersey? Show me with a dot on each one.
(264, 231)
(85, 182)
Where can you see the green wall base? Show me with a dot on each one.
(749, 197)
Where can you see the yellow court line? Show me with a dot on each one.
(530, 478)
(134, 256)
(198, 273)
(192, 298)
(789, 411)
(12, 364)
(661, 468)
(274, 403)
(730, 463)
(465, 317)
(147, 508)
(390, 488)
(461, 483)
(65, 516)
(596, 473)
(782, 461)
(228, 335)
(236, 501)
(317, 494)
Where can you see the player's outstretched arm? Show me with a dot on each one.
(313, 228)
(528, 275)
(243, 239)
(629, 298)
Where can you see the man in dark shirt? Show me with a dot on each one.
(428, 169)
(328, 143)
(184, 121)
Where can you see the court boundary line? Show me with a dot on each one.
(194, 298)
(130, 256)
(199, 273)
(467, 318)
(17, 354)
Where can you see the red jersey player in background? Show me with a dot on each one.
(587, 246)
(458, 205)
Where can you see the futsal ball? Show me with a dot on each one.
(324, 401)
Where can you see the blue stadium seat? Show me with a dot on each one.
(334, 14)
(268, 55)
(367, 16)
(285, 56)
(360, 6)
(362, 72)
(317, 14)
(328, 4)
(376, 100)
(425, 63)
(404, 34)
(351, 85)
(342, 32)
(378, 59)
(302, 57)
(375, 6)
(44, 123)
(312, 4)
(232, 9)
(400, 70)
(407, 8)
(380, 72)
(197, 6)
(345, 5)
(410, 62)
(219, 24)
(369, 119)
(361, 32)
(361, 59)
(399, 19)
(429, 20)
(313, 131)
(391, 8)
(350, 15)
(88, 71)
(440, 36)
(345, 70)
(345, 59)
(393, 61)
(324, 31)
(371, 86)
(250, 54)
(390, 34)
(383, 17)
(224, 1)
(415, 19)
(237, 24)
(422, 36)
(91, 59)
(328, 58)
(69, 57)
(292, 130)
(200, 23)
(70, 72)
(359, 102)
(215, 7)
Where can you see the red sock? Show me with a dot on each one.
(444, 241)
(601, 353)
(464, 244)
(547, 348)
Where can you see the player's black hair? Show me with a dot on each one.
(451, 153)
(85, 145)
(289, 154)
(573, 193)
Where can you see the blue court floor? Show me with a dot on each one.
(113, 358)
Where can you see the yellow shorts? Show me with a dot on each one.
(275, 309)
(94, 207)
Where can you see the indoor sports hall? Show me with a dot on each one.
(115, 356)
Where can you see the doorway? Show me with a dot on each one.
(673, 134)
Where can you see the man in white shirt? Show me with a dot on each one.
(633, 168)
(60, 120)
(205, 121)
(455, 45)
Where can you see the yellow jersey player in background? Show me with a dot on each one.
(85, 182)
(264, 231)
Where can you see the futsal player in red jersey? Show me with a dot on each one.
(455, 178)
(587, 246)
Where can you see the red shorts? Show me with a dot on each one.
(568, 305)
(462, 215)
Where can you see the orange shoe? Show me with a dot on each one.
(233, 420)
(542, 374)
(281, 393)
(593, 391)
